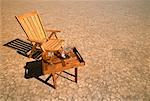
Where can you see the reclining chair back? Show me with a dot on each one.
(32, 26)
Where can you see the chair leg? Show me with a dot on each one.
(53, 33)
(76, 72)
(54, 79)
(32, 50)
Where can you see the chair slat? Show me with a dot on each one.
(42, 34)
(36, 26)
(55, 45)
(60, 44)
(26, 28)
(52, 43)
(34, 29)
(31, 34)
(40, 20)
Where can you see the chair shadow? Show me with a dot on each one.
(23, 47)
(33, 69)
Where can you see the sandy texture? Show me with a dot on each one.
(113, 37)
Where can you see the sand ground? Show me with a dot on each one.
(113, 37)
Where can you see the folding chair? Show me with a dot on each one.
(32, 25)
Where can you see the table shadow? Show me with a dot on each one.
(33, 69)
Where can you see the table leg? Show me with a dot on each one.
(54, 79)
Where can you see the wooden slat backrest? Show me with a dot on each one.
(32, 26)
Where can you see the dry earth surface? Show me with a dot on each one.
(113, 37)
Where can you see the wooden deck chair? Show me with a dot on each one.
(32, 25)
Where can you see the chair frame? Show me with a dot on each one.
(36, 43)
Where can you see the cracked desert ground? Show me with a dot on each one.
(113, 37)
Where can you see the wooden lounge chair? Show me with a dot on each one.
(32, 25)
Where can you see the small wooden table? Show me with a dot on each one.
(55, 64)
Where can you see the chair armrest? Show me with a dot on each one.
(53, 30)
